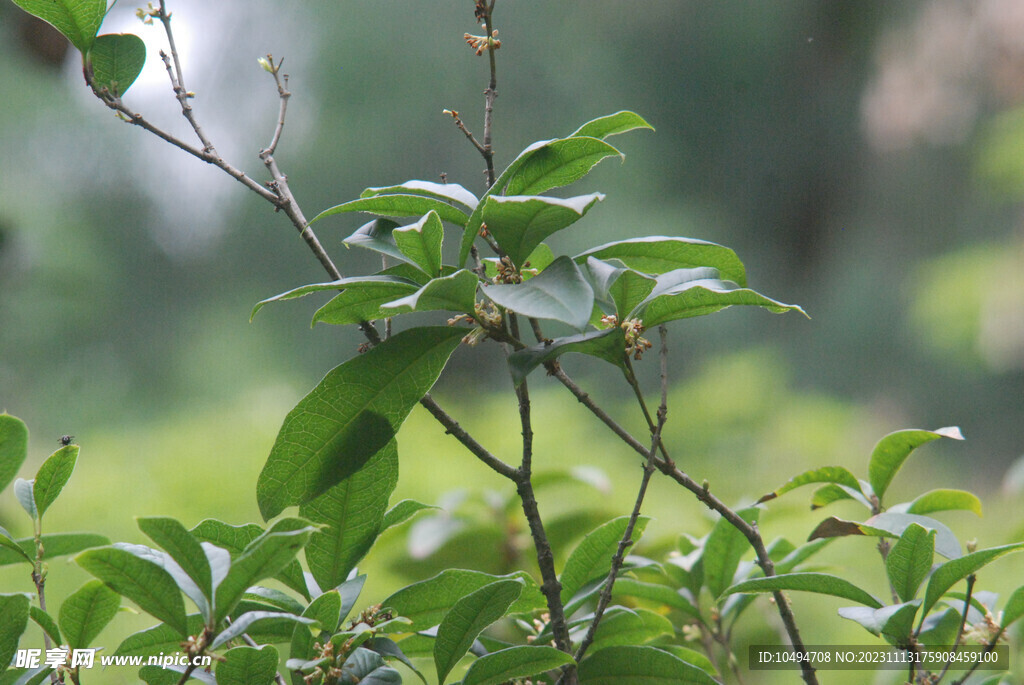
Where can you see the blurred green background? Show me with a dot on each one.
(865, 160)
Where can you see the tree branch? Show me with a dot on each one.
(453, 428)
(178, 81)
(627, 536)
(550, 586)
(490, 94)
(665, 464)
(279, 194)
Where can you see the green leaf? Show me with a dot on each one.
(638, 665)
(387, 647)
(609, 345)
(662, 254)
(115, 61)
(653, 592)
(398, 285)
(555, 164)
(551, 149)
(910, 560)
(560, 292)
(520, 223)
(685, 293)
(450, 293)
(692, 657)
(247, 623)
(349, 592)
(352, 513)
(737, 604)
(275, 598)
(13, 552)
(944, 500)
(521, 661)
(898, 627)
(86, 612)
(620, 288)
(78, 20)
(350, 415)
(421, 243)
(54, 545)
(160, 639)
(622, 626)
(53, 476)
(236, 538)
(14, 609)
(1014, 607)
(893, 622)
(427, 602)
(402, 512)
(399, 205)
(825, 474)
(31, 676)
(722, 551)
(894, 524)
(326, 611)
(181, 579)
(46, 622)
(612, 125)
(363, 303)
(248, 666)
(830, 493)
(889, 525)
(377, 235)
(592, 558)
(950, 573)
(892, 450)
(821, 583)
(183, 547)
(368, 668)
(265, 557)
(23, 491)
(467, 619)
(441, 191)
(140, 580)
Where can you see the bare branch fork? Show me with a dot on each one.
(627, 536)
(667, 466)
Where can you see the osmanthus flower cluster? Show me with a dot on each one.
(640, 282)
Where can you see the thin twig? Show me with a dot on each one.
(131, 117)
(627, 536)
(550, 587)
(462, 127)
(178, 82)
(280, 195)
(279, 185)
(963, 621)
(453, 428)
(665, 464)
(489, 96)
(989, 648)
